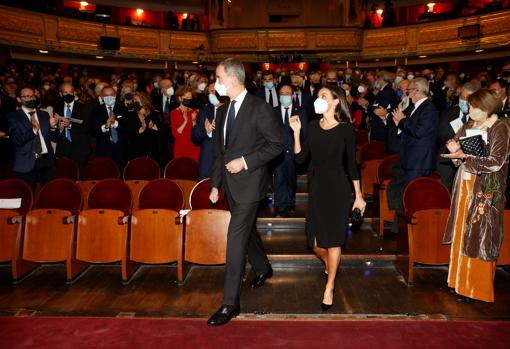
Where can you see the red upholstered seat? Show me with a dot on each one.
(9, 230)
(142, 168)
(67, 168)
(161, 193)
(101, 168)
(156, 232)
(361, 137)
(371, 155)
(383, 179)
(426, 206)
(49, 236)
(110, 194)
(199, 198)
(182, 168)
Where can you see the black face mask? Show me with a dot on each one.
(186, 102)
(128, 96)
(137, 106)
(68, 98)
(316, 84)
(31, 104)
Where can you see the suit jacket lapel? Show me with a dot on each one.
(240, 114)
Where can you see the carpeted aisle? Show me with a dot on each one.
(88, 332)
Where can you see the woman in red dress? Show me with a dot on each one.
(182, 119)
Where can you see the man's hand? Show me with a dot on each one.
(213, 196)
(110, 121)
(398, 116)
(209, 127)
(235, 166)
(363, 102)
(54, 119)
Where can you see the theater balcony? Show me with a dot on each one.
(35, 36)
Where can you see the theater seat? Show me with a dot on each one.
(504, 251)
(361, 140)
(12, 223)
(371, 155)
(383, 179)
(137, 173)
(206, 228)
(67, 168)
(97, 169)
(50, 234)
(103, 228)
(184, 172)
(156, 232)
(426, 206)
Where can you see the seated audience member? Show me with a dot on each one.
(183, 118)
(109, 127)
(284, 180)
(75, 141)
(418, 132)
(268, 92)
(450, 122)
(144, 136)
(299, 98)
(31, 130)
(200, 98)
(203, 133)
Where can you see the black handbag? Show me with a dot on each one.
(356, 217)
(473, 145)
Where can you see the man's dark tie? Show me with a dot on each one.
(166, 107)
(271, 98)
(409, 110)
(298, 100)
(37, 139)
(230, 120)
(114, 134)
(286, 126)
(464, 118)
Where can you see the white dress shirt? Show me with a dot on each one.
(38, 132)
(239, 101)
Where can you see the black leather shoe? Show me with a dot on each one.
(463, 299)
(326, 307)
(224, 315)
(259, 280)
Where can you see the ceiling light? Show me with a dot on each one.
(184, 15)
(479, 50)
(194, 62)
(377, 59)
(84, 4)
(423, 56)
(379, 11)
(43, 51)
(149, 60)
(99, 57)
(139, 11)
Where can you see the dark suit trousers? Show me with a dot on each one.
(242, 238)
(285, 183)
(41, 173)
(415, 173)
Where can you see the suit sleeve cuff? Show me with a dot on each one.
(244, 162)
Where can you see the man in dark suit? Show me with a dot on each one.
(165, 103)
(500, 86)
(450, 121)
(385, 102)
(204, 133)
(248, 138)
(301, 99)
(418, 132)
(75, 143)
(269, 90)
(284, 179)
(31, 131)
(109, 126)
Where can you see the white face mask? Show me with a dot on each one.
(170, 91)
(156, 84)
(221, 89)
(361, 89)
(347, 92)
(410, 77)
(320, 105)
(476, 114)
(202, 86)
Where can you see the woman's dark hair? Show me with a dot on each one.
(342, 113)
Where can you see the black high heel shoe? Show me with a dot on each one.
(326, 307)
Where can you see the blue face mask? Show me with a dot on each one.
(398, 79)
(109, 100)
(464, 106)
(399, 93)
(268, 85)
(285, 100)
(213, 99)
(377, 86)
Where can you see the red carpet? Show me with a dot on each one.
(82, 332)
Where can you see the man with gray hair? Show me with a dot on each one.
(418, 132)
(248, 137)
(450, 122)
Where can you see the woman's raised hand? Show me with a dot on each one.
(295, 123)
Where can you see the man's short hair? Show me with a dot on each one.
(421, 85)
(234, 67)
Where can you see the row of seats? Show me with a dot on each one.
(58, 228)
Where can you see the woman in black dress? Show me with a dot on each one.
(329, 140)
